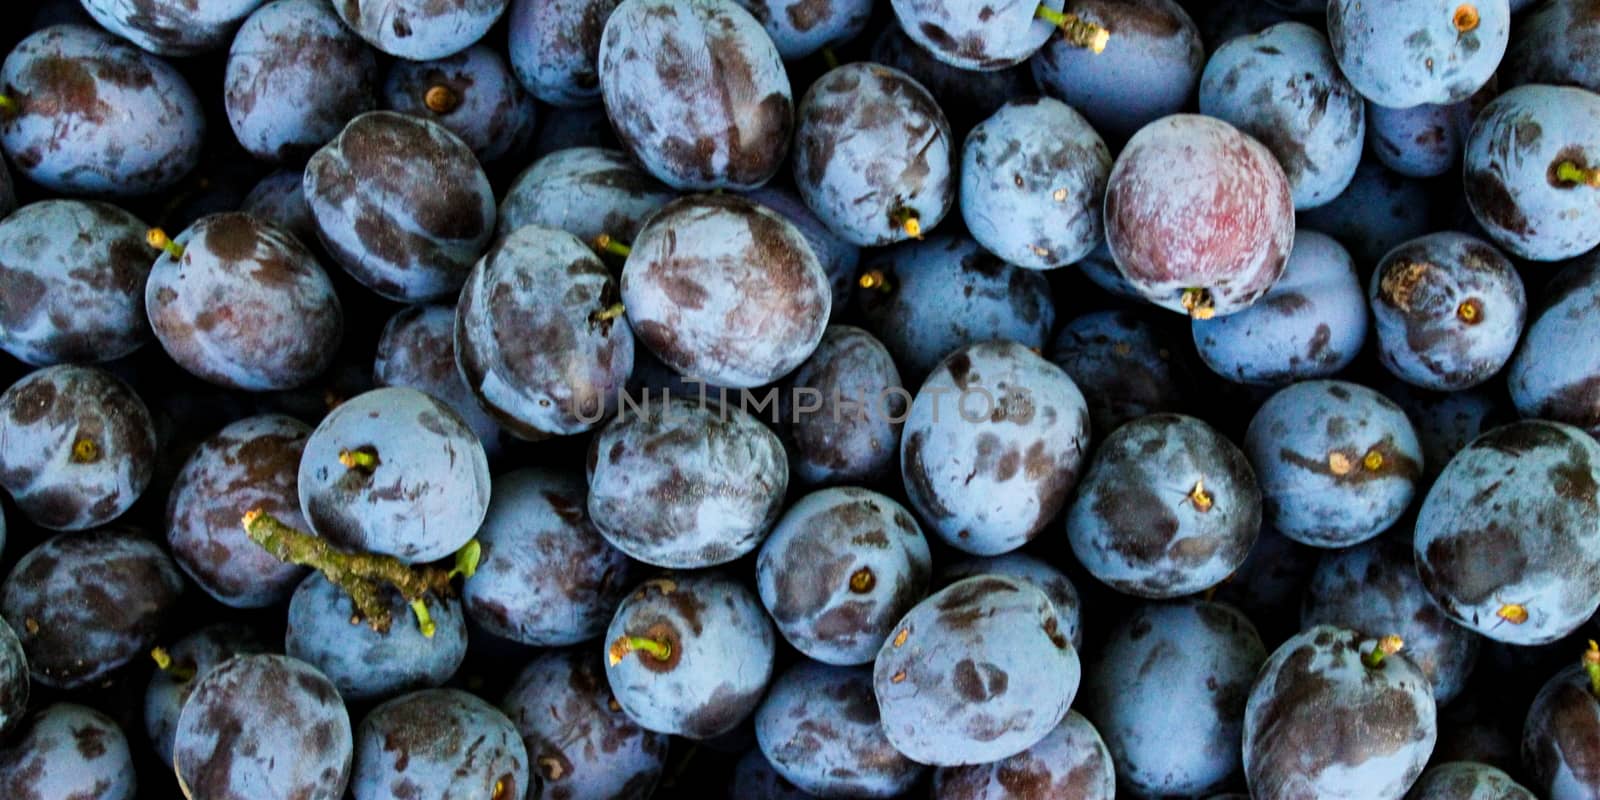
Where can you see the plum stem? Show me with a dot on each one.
(360, 575)
(1201, 498)
(608, 313)
(467, 558)
(164, 663)
(1469, 311)
(361, 458)
(8, 106)
(659, 650)
(1568, 172)
(908, 220)
(1373, 460)
(1198, 303)
(605, 244)
(158, 239)
(85, 451)
(874, 279)
(1465, 18)
(419, 607)
(862, 580)
(1591, 665)
(441, 99)
(830, 58)
(1387, 646)
(1514, 613)
(1075, 30)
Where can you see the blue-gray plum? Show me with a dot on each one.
(243, 304)
(685, 485)
(1124, 365)
(172, 27)
(1168, 507)
(1448, 309)
(1337, 462)
(1508, 539)
(801, 28)
(1428, 51)
(473, 93)
(1555, 374)
(586, 191)
(394, 471)
(690, 655)
(924, 300)
(259, 726)
(65, 750)
(94, 115)
(819, 729)
(966, 96)
(1466, 780)
(1282, 87)
(697, 92)
(280, 199)
(1310, 324)
(580, 742)
(420, 30)
(969, 35)
(977, 672)
(72, 277)
(1422, 141)
(1054, 583)
(86, 605)
(1173, 672)
(417, 349)
(438, 743)
(554, 49)
(324, 631)
(545, 576)
(185, 662)
(1373, 588)
(1377, 212)
(1071, 761)
(1561, 736)
(1530, 179)
(840, 568)
(402, 204)
(295, 76)
(251, 464)
(1335, 714)
(838, 257)
(995, 441)
(873, 155)
(722, 289)
(15, 685)
(1033, 183)
(538, 336)
(1198, 216)
(853, 432)
(1553, 43)
(79, 446)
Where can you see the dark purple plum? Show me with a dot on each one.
(1282, 87)
(924, 300)
(438, 743)
(1223, 20)
(473, 93)
(65, 750)
(853, 433)
(1466, 780)
(755, 779)
(365, 664)
(1508, 539)
(260, 726)
(587, 192)
(1269, 584)
(280, 199)
(1533, 171)
(819, 729)
(1446, 422)
(1426, 51)
(90, 114)
(1055, 584)
(1448, 309)
(15, 685)
(1421, 141)
(554, 49)
(1337, 462)
(402, 204)
(1554, 43)
(395, 471)
(79, 447)
(580, 742)
(800, 28)
(546, 577)
(977, 672)
(1199, 216)
(686, 485)
(690, 655)
(243, 304)
(566, 128)
(1311, 324)
(1556, 373)
(839, 258)
(420, 30)
(8, 192)
(873, 155)
(1173, 672)
(1168, 507)
(86, 604)
(417, 350)
(1373, 588)
(172, 27)
(539, 337)
(840, 568)
(1125, 367)
(722, 289)
(250, 464)
(1377, 212)
(991, 463)
(1149, 69)
(295, 77)
(697, 92)
(1033, 182)
(966, 97)
(1561, 737)
(1335, 714)
(1069, 762)
(72, 277)
(187, 661)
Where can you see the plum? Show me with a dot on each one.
(473, 93)
(819, 729)
(1555, 373)
(181, 665)
(172, 27)
(438, 743)
(421, 30)
(1055, 584)
(1559, 738)
(1125, 367)
(1070, 761)
(1379, 210)
(68, 750)
(15, 684)
(417, 350)
(1427, 51)
(554, 48)
(1466, 780)
(585, 191)
(1553, 44)
(966, 96)
(838, 257)
(854, 433)
(280, 199)
(800, 28)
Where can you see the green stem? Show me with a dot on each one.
(605, 244)
(1387, 646)
(158, 239)
(830, 58)
(467, 559)
(1591, 665)
(1076, 30)
(8, 106)
(660, 651)
(1569, 172)
(362, 458)
(164, 662)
